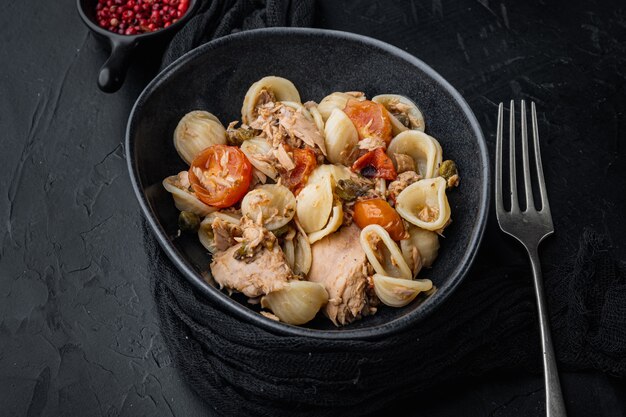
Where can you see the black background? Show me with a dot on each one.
(79, 333)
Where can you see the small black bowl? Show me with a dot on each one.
(216, 76)
(113, 71)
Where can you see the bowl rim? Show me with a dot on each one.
(231, 306)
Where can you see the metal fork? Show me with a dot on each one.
(530, 227)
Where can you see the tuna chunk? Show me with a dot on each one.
(399, 184)
(298, 125)
(224, 233)
(340, 264)
(268, 271)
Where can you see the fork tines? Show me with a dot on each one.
(530, 205)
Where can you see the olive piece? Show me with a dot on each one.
(449, 172)
(188, 221)
(369, 171)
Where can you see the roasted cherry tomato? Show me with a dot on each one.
(378, 211)
(370, 119)
(375, 164)
(305, 162)
(220, 175)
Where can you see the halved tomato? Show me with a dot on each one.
(220, 175)
(375, 164)
(305, 162)
(370, 119)
(378, 211)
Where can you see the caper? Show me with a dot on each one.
(349, 190)
(448, 171)
(188, 221)
(344, 191)
(237, 136)
(245, 134)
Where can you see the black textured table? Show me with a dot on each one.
(79, 334)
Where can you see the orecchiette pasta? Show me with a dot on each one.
(205, 231)
(317, 116)
(426, 243)
(334, 223)
(298, 303)
(298, 252)
(397, 292)
(341, 139)
(274, 204)
(184, 199)
(404, 112)
(257, 151)
(335, 171)
(383, 253)
(419, 146)
(314, 204)
(303, 259)
(280, 88)
(196, 131)
(315, 208)
(336, 100)
(425, 204)
(299, 107)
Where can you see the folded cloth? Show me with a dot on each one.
(488, 324)
(216, 18)
(588, 299)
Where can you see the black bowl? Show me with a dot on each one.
(113, 71)
(215, 77)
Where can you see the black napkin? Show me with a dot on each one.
(488, 324)
(216, 18)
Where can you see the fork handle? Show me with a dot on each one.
(555, 407)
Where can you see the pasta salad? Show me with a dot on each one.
(334, 207)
